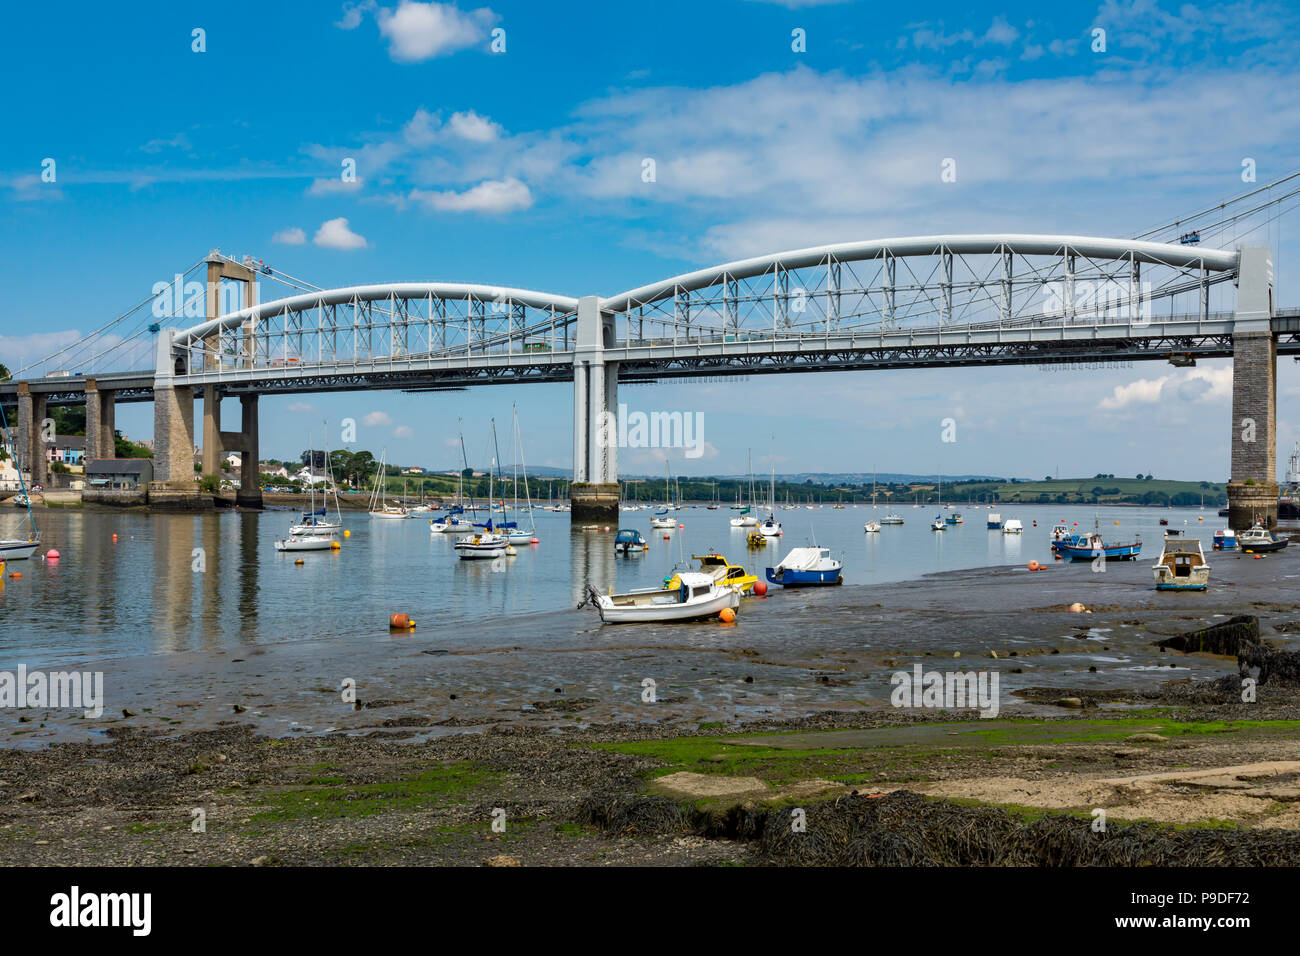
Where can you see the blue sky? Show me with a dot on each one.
(520, 169)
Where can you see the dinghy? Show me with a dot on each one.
(804, 567)
(697, 596)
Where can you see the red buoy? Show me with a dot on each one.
(760, 588)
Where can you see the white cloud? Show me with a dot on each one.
(473, 127)
(423, 31)
(31, 187)
(1192, 385)
(353, 14)
(403, 431)
(488, 197)
(293, 236)
(335, 234)
(333, 186)
(376, 419)
(300, 408)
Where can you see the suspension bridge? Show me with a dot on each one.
(911, 302)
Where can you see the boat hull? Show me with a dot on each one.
(17, 550)
(789, 578)
(1266, 547)
(611, 613)
(1114, 552)
(310, 543)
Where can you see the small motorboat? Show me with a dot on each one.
(756, 539)
(1225, 540)
(696, 596)
(719, 569)
(1012, 526)
(1086, 547)
(307, 542)
(871, 527)
(486, 543)
(892, 518)
(1259, 540)
(937, 524)
(629, 541)
(994, 521)
(954, 518)
(1181, 566)
(804, 567)
(21, 500)
(451, 522)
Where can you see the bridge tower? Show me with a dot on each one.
(174, 483)
(594, 495)
(1252, 487)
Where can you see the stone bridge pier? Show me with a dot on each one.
(594, 495)
(30, 441)
(1252, 487)
(100, 425)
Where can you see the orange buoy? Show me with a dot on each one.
(19, 574)
(1077, 608)
(760, 588)
(726, 615)
(299, 561)
(400, 622)
(335, 546)
(665, 537)
(1033, 565)
(1257, 557)
(114, 535)
(534, 541)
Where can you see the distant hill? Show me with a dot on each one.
(835, 478)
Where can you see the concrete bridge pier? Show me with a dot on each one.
(30, 452)
(594, 495)
(173, 487)
(217, 443)
(100, 424)
(1253, 488)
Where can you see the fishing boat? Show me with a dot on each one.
(719, 569)
(1259, 540)
(696, 596)
(954, 518)
(994, 521)
(938, 523)
(379, 506)
(21, 500)
(19, 549)
(804, 567)
(1225, 540)
(892, 518)
(629, 541)
(1013, 526)
(1087, 547)
(1181, 566)
(871, 527)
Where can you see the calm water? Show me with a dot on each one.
(141, 594)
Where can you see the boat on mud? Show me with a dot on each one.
(807, 567)
(1087, 547)
(1259, 540)
(1181, 566)
(696, 596)
(719, 569)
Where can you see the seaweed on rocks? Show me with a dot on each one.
(1227, 638)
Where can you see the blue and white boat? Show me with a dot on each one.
(1086, 547)
(995, 522)
(807, 567)
(1225, 540)
(629, 541)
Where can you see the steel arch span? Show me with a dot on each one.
(991, 292)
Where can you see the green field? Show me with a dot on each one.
(1102, 490)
